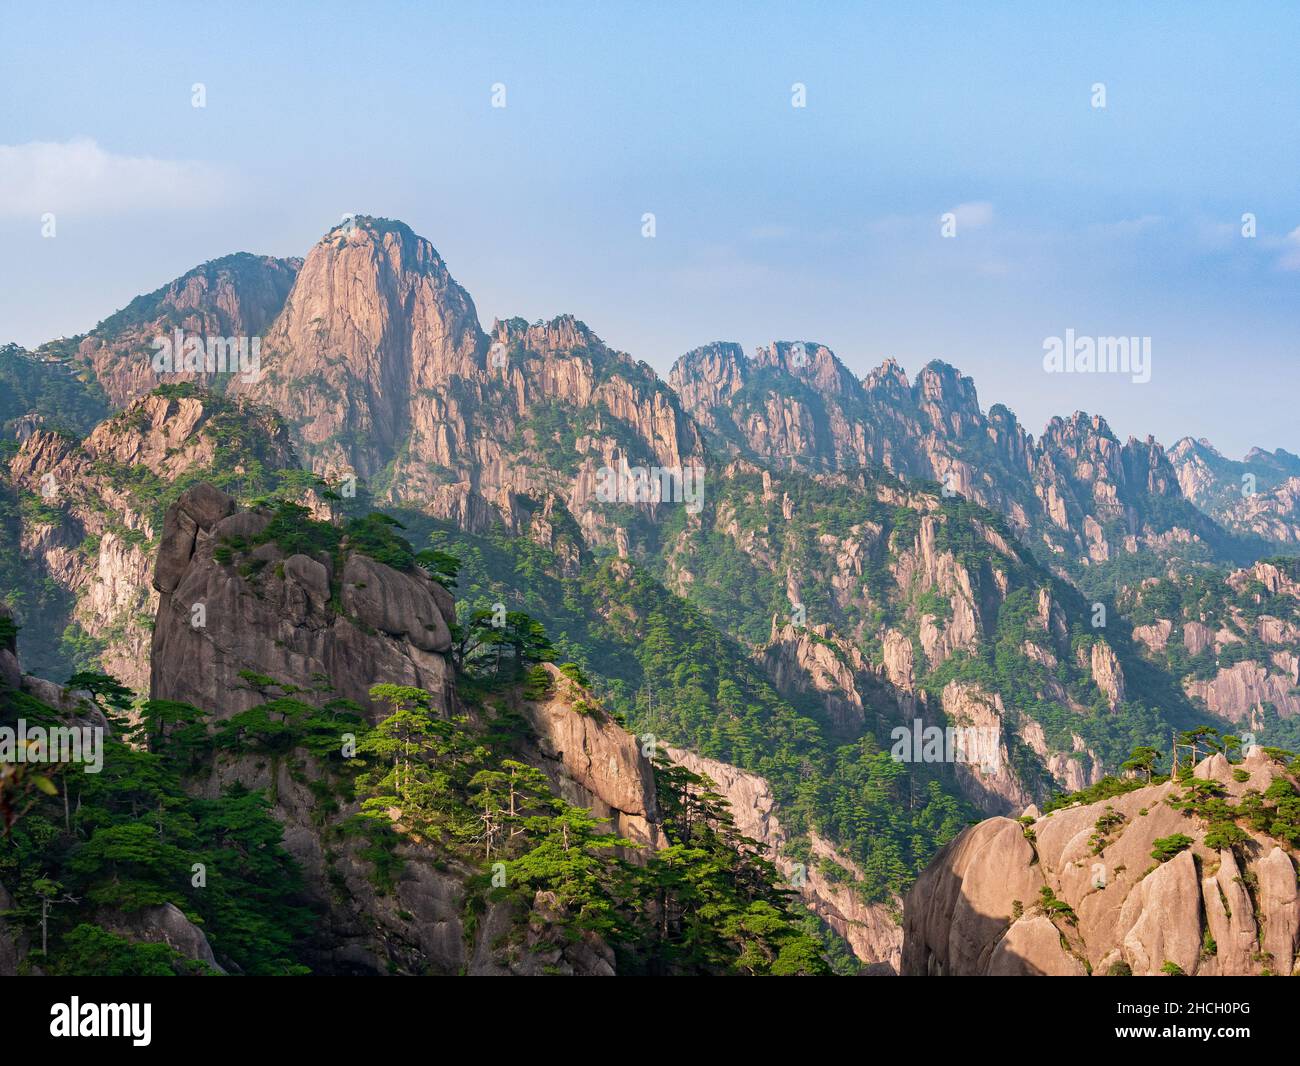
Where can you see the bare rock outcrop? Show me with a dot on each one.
(380, 363)
(1107, 673)
(1236, 691)
(234, 297)
(98, 542)
(161, 924)
(985, 904)
(346, 622)
(275, 616)
(1078, 489)
(594, 762)
(870, 929)
(1155, 636)
(813, 660)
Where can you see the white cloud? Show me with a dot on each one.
(78, 176)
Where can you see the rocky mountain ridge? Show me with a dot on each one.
(1258, 495)
(1077, 495)
(890, 555)
(235, 296)
(93, 509)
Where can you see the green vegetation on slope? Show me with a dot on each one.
(665, 669)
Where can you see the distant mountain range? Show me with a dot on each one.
(869, 554)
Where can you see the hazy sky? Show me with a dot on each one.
(773, 222)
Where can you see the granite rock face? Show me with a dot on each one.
(871, 930)
(162, 924)
(1077, 490)
(354, 622)
(237, 296)
(979, 907)
(95, 540)
(594, 762)
(281, 621)
(380, 362)
(1259, 495)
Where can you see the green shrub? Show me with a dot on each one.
(1167, 847)
(539, 684)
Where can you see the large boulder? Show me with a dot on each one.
(1111, 905)
(279, 617)
(399, 605)
(163, 924)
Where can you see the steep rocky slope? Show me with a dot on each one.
(866, 556)
(1081, 499)
(385, 797)
(92, 513)
(294, 617)
(1079, 891)
(336, 625)
(380, 365)
(1258, 495)
(1233, 641)
(824, 877)
(884, 604)
(236, 296)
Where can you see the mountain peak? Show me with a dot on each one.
(563, 334)
(388, 238)
(948, 396)
(375, 317)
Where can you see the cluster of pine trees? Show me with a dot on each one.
(79, 851)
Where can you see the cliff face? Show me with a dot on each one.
(333, 627)
(373, 320)
(1257, 495)
(870, 929)
(1213, 908)
(898, 606)
(594, 762)
(379, 363)
(1078, 493)
(871, 600)
(95, 510)
(293, 618)
(236, 296)
(815, 662)
(1233, 642)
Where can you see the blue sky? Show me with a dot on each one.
(773, 222)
